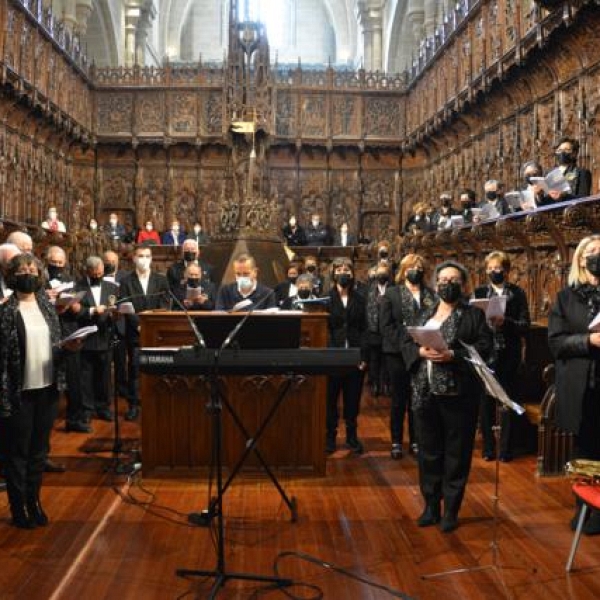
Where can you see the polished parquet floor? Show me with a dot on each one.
(111, 537)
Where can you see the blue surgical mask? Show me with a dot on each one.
(244, 284)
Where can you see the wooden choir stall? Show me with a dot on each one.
(176, 425)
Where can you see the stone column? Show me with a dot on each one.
(369, 14)
(83, 11)
(415, 13)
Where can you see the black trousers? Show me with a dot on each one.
(76, 410)
(133, 374)
(350, 386)
(377, 372)
(446, 428)
(26, 439)
(400, 384)
(95, 380)
(587, 441)
(506, 373)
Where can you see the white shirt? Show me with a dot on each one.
(6, 291)
(144, 279)
(344, 239)
(96, 290)
(37, 372)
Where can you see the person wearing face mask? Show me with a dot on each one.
(305, 291)
(344, 238)
(578, 178)
(376, 290)
(148, 235)
(93, 226)
(467, 204)
(52, 223)
(190, 255)
(441, 218)
(293, 234)
(446, 395)
(194, 291)
(58, 276)
(146, 290)
(317, 233)
(100, 294)
(31, 378)
(246, 291)
(286, 291)
(175, 236)
(576, 351)
(419, 221)
(311, 266)
(534, 196)
(198, 234)
(114, 229)
(403, 305)
(494, 205)
(509, 333)
(347, 326)
(7, 252)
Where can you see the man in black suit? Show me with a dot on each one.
(115, 230)
(579, 179)
(115, 275)
(190, 255)
(246, 290)
(146, 290)
(293, 234)
(100, 296)
(317, 233)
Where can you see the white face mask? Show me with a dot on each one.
(292, 222)
(93, 226)
(197, 229)
(175, 228)
(113, 222)
(149, 227)
(315, 222)
(52, 216)
(244, 284)
(143, 263)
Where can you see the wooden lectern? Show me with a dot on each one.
(176, 427)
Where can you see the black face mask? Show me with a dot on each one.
(293, 278)
(189, 256)
(55, 272)
(564, 158)
(592, 264)
(193, 282)
(468, 205)
(383, 253)
(446, 203)
(449, 292)
(344, 280)
(528, 179)
(311, 268)
(95, 281)
(496, 277)
(382, 279)
(303, 294)
(414, 276)
(26, 283)
(491, 195)
(109, 269)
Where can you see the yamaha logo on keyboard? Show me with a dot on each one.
(159, 359)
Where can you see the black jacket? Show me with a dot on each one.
(318, 236)
(294, 237)
(177, 269)
(508, 339)
(347, 323)
(577, 363)
(229, 296)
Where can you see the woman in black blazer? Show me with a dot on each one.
(347, 329)
(509, 331)
(403, 305)
(446, 396)
(577, 354)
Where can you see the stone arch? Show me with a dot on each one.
(103, 35)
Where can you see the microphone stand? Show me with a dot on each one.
(215, 408)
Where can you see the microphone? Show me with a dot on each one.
(232, 335)
(134, 296)
(183, 307)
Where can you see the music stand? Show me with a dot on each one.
(503, 402)
(217, 401)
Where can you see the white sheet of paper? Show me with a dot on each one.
(67, 298)
(429, 336)
(59, 286)
(81, 333)
(193, 293)
(242, 304)
(126, 308)
(595, 324)
(496, 307)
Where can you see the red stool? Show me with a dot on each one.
(590, 496)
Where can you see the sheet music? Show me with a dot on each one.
(429, 336)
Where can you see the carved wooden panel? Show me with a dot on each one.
(183, 117)
(346, 116)
(286, 114)
(114, 113)
(212, 113)
(382, 117)
(314, 116)
(149, 113)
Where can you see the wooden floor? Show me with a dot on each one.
(110, 538)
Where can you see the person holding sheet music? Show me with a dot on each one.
(509, 331)
(403, 304)
(576, 350)
(30, 379)
(194, 292)
(446, 394)
(578, 178)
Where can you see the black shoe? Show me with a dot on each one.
(488, 456)
(78, 427)
(396, 452)
(20, 518)
(52, 467)
(36, 513)
(449, 522)
(592, 525)
(430, 516)
(105, 414)
(414, 449)
(505, 457)
(355, 445)
(133, 412)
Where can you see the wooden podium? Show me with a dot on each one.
(176, 427)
